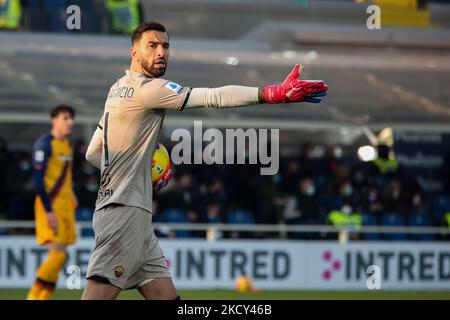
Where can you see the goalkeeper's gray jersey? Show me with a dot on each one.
(131, 122)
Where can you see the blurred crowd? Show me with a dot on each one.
(99, 16)
(313, 188)
(16, 182)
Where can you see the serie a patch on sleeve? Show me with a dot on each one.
(175, 87)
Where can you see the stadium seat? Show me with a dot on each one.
(440, 205)
(85, 214)
(393, 219)
(215, 219)
(175, 216)
(419, 219)
(370, 219)
(240, 216)
(327, 201)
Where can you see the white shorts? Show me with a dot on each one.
(126, 253)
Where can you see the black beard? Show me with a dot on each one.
(155, 73)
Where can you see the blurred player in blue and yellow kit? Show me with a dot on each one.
(55, 200)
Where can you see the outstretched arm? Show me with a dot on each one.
(223, 97)
(163, 94)
(291, 90)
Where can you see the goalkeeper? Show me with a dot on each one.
(126, 253)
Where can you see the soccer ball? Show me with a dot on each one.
(160, 163)
(243, 284)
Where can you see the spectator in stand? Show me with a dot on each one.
(194, 216)
(214, 213)
(216, 193)
(331, 163)
(307, 163)
(291, 177)
(418, 206)
(10, 14)
(308, 208)
(396, 200)
(307, 203)
(184, 195)
(346, 195)
(372, 202)
(19, 189)
(269, 193)
(359, 180)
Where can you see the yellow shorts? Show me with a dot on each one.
(64, 209)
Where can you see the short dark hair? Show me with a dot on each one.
(146, 26)
(60, 109)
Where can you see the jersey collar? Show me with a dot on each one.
(133, 74)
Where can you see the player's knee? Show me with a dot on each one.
(167, 295)
(163, 295)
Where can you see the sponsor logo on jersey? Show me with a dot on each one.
(174, 87)
(106, 178)
(103, 192)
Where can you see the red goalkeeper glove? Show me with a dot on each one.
(294, 90)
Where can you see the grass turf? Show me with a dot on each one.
(64, 294)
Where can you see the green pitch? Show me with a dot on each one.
(20, 294)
